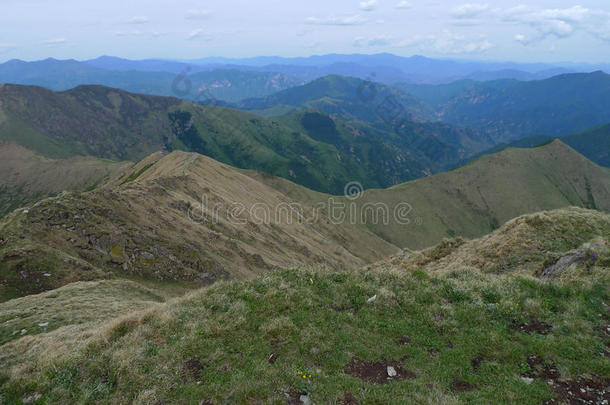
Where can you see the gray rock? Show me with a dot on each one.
(32, 398)
(305, 400)
(568, 259)
(392, 372)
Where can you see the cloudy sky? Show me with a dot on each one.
(543, 31)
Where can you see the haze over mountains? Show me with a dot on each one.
(235, 79)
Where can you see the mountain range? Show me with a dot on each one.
(336, 229)
(236, 79)
(509, 110)
(190, 83)
(314, 149)
(187, 217)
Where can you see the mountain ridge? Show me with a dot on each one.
(110, 123)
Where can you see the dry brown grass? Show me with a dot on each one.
(28, 177)
(523, 245)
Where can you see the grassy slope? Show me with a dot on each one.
(477, 198)
(524, 245)
(28, 177)
(80, 303)
(449, 329)
(181, 216)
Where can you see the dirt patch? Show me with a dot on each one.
(403, 341)
(542, 369)
(604, 331)
(377, 372)
(533, 326)
(277, 342)
(476, 362)
(348, 399)
(192, 368)
(595, 390)
(462, 386)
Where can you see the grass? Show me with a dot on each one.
(254, 341)
(77, 303)
(134, 176)
(316, 322)
(28, 177)
(525, 244)
(149, 228)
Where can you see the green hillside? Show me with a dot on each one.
(113, 124)
(376, 111)
(386, 334)
(475, 199)
(345, 96)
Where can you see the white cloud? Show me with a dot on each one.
(476, 46)
(197, 14)
(522, 39)
(134, 33)
(368, 5)
(138, 20)
(346, 20)
(573, 14)
(382, 40)
(404, 5)
(467, 11)
(558, 23)
(448, 43)
(54, 41)
(199, 33)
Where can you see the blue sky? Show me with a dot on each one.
(541, 31)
